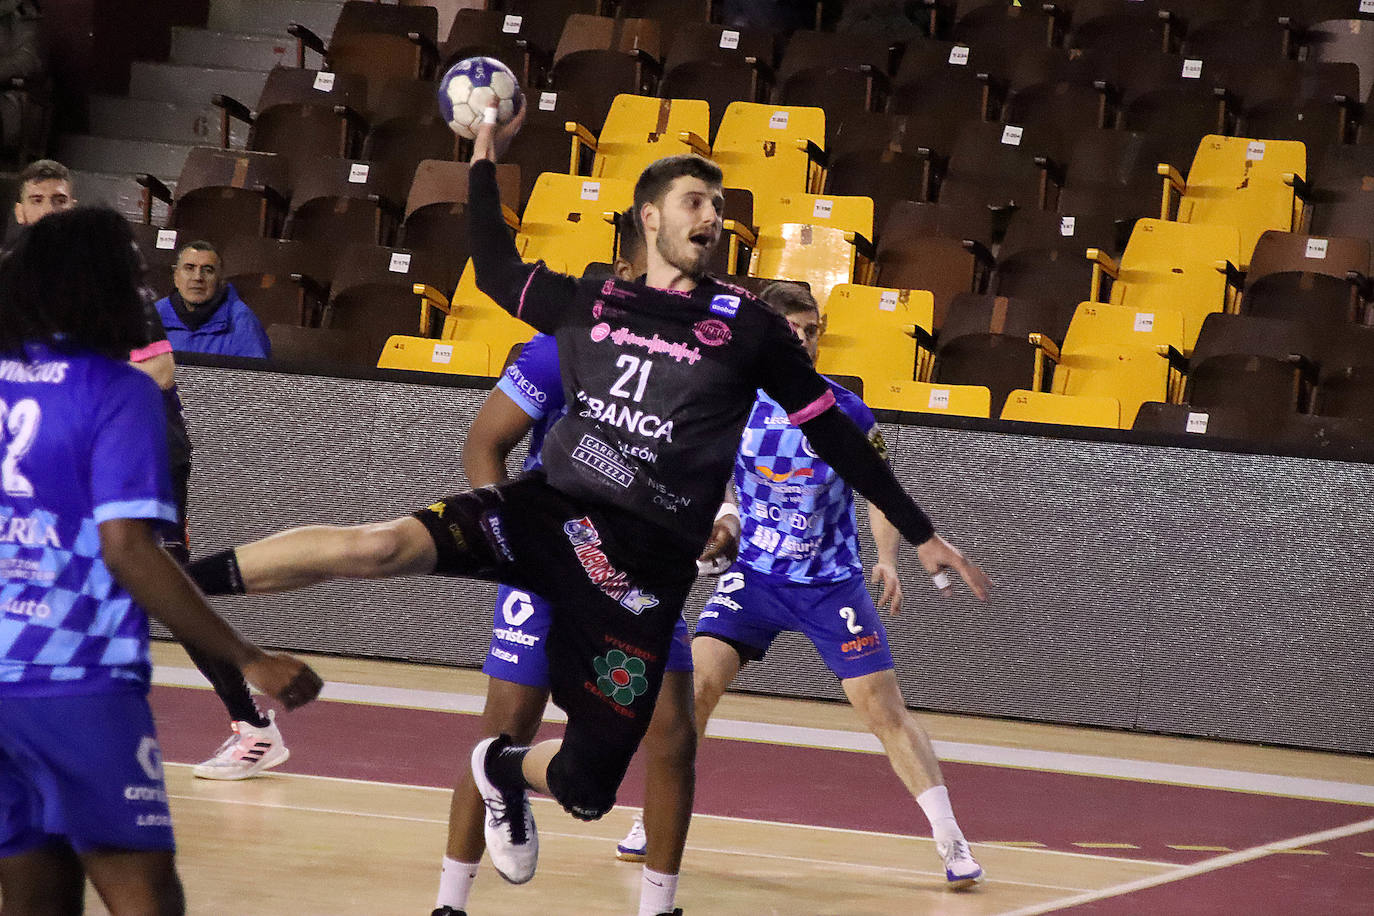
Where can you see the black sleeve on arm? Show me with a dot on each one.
(842, 445)
(530, 292)
(786, 375)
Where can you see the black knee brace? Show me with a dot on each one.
(585, 783)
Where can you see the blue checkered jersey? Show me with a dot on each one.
(533, 382)
(796, 513)
(83, 441)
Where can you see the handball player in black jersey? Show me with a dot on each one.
(659, 378)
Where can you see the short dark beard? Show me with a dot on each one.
(696, 272)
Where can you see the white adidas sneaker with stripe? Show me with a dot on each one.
(247, 752)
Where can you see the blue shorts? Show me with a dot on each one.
(84, 768)
(749, 609)
(521, 625)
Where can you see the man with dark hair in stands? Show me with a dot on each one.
(799, 569)
(45, 186)
(660, 378)
(204, 314)
(256, 743)
(529, 399)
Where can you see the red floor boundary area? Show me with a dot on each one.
(827, 788)
(1339, 882)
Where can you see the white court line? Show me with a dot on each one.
(840, 740)
(851, 831)
(1198, 868)
(733, 852)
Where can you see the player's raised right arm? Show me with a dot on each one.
(530, 292)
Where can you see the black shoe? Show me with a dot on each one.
(676, 912)
(448, 911)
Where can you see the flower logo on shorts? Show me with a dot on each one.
(620, 677)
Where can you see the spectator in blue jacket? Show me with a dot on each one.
(205, 314)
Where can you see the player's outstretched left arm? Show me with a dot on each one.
(939, 556)
(138, 563)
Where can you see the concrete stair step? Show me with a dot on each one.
(239, 50)
(169, 122)
(271, 17)
(193, 85)
(120, 192)
(119, 156)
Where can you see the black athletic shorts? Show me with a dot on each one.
(615, 596)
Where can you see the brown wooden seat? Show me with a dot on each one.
(1316, 280)
(344, 201)
(984, 340)
(1264, 364)
(283, 282)
(372, 295)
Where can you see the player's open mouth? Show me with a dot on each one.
(704, 239)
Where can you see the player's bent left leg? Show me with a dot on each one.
(847, 631)
(878, 700)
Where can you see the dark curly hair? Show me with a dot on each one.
(74, 281)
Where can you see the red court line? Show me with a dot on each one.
(1340, 883)
(812, 786)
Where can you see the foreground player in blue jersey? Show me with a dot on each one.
(83, 481)
(799, 569)
(528, 400)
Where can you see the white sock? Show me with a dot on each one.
(455, 883)
(935, 803)
(656, 893)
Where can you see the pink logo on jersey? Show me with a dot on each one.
(713, 332)
(600, 332)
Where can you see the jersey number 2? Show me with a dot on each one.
(19, 427)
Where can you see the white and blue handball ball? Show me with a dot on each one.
(470, 86)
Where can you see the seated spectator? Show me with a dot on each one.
(206, 315)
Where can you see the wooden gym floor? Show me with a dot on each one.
(796, 814)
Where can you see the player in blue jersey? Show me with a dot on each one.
(83, 482)
(256, 744)
(799, 569)
(529, 399)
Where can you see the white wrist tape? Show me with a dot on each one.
(488, 115)
(727, 509)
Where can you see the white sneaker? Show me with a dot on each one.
(512, 841)
(961, 869)
(247, 752)
(635, 844)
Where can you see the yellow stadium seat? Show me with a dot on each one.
(1063, 409)
(568, 221)
(1173, 266)
(425, 354)
(640, 130)
(854, 214)
(1117, 352)
(770, 149)
(926, 397)
(856, 339)
(823, 256)
(1239, 182)
(472, 315)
